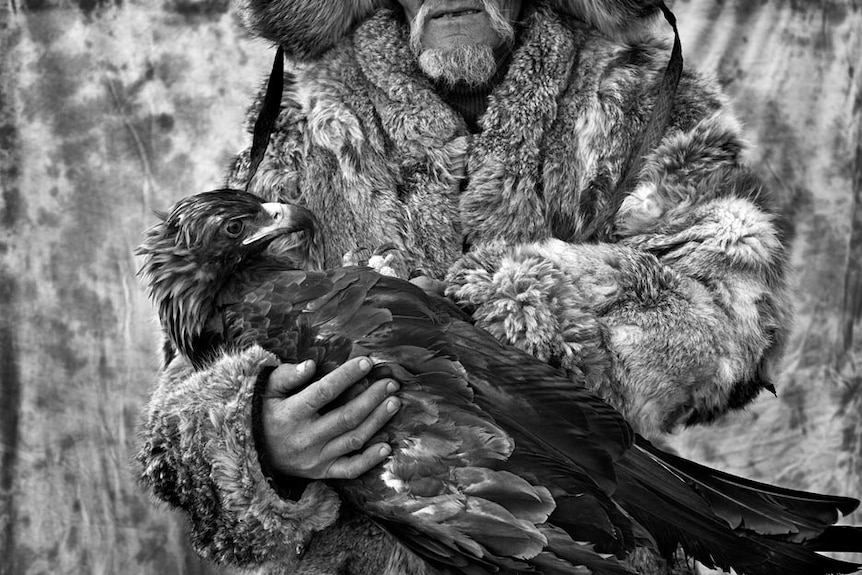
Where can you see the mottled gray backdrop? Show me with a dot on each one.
(111, 109)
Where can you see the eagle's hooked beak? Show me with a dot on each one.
(286, 219)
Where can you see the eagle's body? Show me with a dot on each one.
(499, 461)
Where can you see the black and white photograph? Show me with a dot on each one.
(430, 287)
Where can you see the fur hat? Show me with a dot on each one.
(307, 28)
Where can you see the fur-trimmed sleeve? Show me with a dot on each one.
(197, 454)
(680, 320)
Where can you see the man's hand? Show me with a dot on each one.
(302, 443)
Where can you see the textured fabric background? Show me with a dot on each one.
(111, 109)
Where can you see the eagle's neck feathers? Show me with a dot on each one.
(186, 294)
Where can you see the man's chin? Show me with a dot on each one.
(471, 64)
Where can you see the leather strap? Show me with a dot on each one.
(267, 116)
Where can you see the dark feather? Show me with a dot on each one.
(672, 509)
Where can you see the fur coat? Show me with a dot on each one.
(679, 319)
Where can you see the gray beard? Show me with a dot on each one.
(474, 65)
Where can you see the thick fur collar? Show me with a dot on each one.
(308, 28)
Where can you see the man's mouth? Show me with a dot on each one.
(456, 14)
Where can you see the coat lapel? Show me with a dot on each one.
(503, 199)
(428, 139)
(403, 153)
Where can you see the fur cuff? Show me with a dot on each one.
(308, 28)
(198, 454)
(524, 298)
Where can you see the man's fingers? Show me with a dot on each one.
(351, 467)
(287, 377)
(355, 438)
(350, 415)
(316, 396)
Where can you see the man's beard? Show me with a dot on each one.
(473, 64)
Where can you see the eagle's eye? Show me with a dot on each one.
(233, 228)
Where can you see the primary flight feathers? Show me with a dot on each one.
(499, 461)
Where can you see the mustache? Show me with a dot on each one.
(499, 24)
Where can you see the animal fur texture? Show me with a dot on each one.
(692, 292)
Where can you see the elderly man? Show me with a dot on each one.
(480, 141)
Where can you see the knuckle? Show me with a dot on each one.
(304, 467)
(300, 445)
(331, 471)
(354, 443)
(322, 394)
(346, 421)
(352, 471)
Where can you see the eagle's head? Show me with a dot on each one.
(211, 242)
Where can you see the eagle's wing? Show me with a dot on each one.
(456, 488)
(501, 461)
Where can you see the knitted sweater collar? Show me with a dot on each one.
(471, 101)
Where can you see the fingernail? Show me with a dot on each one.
(392, 405)
(385, 450)
(364, 363)
(304, 367)
(392, 387)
